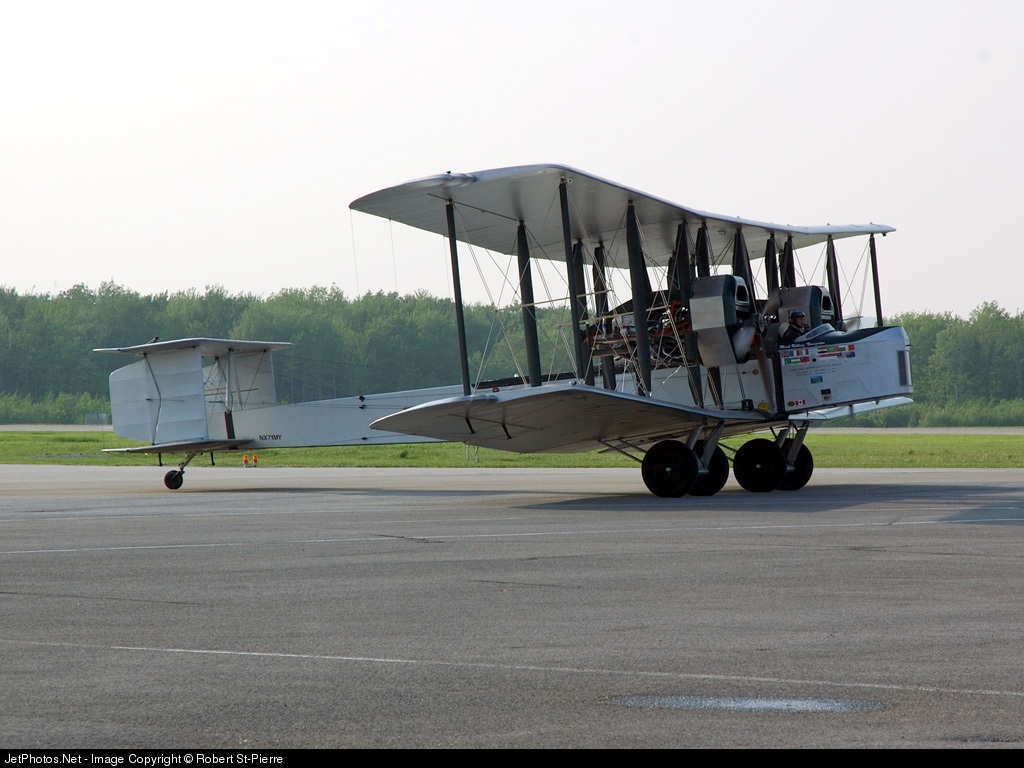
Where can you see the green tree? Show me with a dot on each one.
(213, 314)
(314, 368)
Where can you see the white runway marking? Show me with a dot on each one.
(534, 668)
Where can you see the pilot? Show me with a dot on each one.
(797, 327)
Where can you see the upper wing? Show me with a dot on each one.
(559, 419)
(491, 203)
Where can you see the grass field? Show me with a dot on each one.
(830, 449)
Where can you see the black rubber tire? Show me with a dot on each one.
(803, 468)
(717, 474)
(174, 479)
(759, 465)
(669, 469)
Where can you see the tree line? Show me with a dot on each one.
(378, 342)
(967, 371)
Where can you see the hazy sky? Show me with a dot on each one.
(176, 145)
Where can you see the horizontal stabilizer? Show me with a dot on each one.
(197, 447)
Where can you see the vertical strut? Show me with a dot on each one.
(788, 264)
(460, 316)
(580, 280)
(741, 264)
(832, 270)
(601, 308)
(703, 258)
(771, 266)
(673, 276)
(684, 274)
(874, 278)
(639, 283)
(574, 289)
(529, 310)
(703, 255)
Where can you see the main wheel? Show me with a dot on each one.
(718, 473)
(669, 468)
(174, 479)
(803, 468)
(759, 465)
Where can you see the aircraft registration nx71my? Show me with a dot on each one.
(697, 348)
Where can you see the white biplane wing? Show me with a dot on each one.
(704, 353)
(560, 420)
(490, 204)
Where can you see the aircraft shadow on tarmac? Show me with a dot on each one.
(969, 505)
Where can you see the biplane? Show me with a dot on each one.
(678, 323)
(199, 396)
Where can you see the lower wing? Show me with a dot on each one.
(561, 420)
(839, 411)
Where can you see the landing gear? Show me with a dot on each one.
(711, 482)
(176, 477)
(759, 465)
(803, 467)
(670, 469)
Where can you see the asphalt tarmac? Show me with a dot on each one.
(478, 608)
